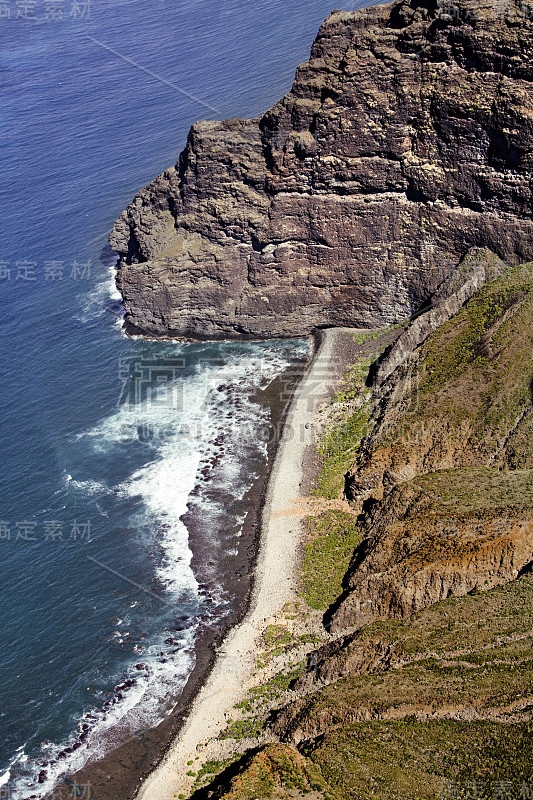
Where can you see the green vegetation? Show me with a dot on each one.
(243, 729)
(438, 704)
(277, 771)
(264, 694)
(399, 760)
(471, 385)
(477, 368)
(348, 415)
(373, 335)
(471, 652)
(486, 320)
(339, 450)
(334, 536)
(353, 382)
(261, 698)
(367, 336)
(209, 769)
(474, 490)
(462, 655)
(277, 639)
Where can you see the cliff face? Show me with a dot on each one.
(445, 466)
(461, 399)
(419, 550)
(414, 601)
(406, 139)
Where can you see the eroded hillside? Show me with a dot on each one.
(423, 687)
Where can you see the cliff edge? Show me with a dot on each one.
(406, 140)
(418, 682)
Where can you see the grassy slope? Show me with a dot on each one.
(467, 673)
(333, 536)
(475, 373)
(347, 416)
(465, 665)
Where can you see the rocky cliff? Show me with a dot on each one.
(444, 469)
(421, 546)
(420, 685)
(406, 139)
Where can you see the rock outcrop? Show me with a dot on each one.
(429, 661)
(444, 471)
(478, 268)
(406, 140)
(462, 398)
(421, 549)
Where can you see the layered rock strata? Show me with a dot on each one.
(419, 550)
(406, 139)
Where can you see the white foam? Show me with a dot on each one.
(89, 487)
(212, 429)
(5, 777)
(140, 706)
(164, 486)
(102, 299)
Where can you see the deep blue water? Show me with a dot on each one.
(97, 468)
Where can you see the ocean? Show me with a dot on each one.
(119, 456)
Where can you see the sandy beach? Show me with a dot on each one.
(274, 587)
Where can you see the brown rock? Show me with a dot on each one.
(405, 141)
(421, 547)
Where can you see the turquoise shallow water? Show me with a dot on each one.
(105, 441)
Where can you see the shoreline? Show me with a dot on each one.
(274, 585)
(122, 772)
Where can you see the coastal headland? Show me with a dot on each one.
(385, 201)
(405, 140)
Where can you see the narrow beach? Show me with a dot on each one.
(274, 586)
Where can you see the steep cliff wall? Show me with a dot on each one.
(445, 466)
(417, 679)
(406, 139)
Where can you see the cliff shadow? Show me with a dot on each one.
(359, 555)
(221, 783)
